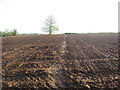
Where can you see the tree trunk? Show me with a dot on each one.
(50, 31)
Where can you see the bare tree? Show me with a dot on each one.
(50, 25)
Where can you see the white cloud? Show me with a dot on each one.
(71, 15)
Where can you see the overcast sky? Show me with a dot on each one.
(27, 16)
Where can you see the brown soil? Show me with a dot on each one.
(60, 61)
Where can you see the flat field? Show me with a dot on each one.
(60, 61)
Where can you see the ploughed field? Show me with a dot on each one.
(60, 61)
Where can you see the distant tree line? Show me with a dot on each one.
(14, 32)
(24, 34)
(8, 33)
(71, 33)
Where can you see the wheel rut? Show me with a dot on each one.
(59, 77)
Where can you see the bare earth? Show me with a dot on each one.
(61, 61)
